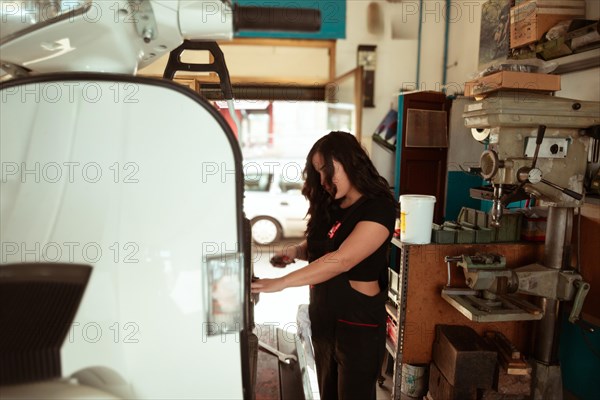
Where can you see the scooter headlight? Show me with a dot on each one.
(224, 281)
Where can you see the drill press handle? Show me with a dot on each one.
(582, 290)
(538, 141)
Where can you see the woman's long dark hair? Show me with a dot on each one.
(344, 148)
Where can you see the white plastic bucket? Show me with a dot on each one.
(414, 380)
(416, 217)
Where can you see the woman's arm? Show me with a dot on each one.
(364, 240)
(300, 251)
(294, 251)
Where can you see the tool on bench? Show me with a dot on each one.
(283, 357)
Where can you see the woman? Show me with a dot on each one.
(352, 214)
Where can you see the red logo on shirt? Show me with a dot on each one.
(334, 229)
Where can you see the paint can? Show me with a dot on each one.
(414, 380)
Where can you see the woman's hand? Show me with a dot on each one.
(287, 255)
(281, 260)
(267, 285)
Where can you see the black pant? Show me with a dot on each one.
(349, 341)
(348, 366)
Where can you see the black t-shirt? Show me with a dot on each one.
(329, 238)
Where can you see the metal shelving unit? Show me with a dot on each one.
(399, 300)
(416, 304)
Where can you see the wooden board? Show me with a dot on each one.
(427, 274)
(590, 254)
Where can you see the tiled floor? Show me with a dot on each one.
(384, 392)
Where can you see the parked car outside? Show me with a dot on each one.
(273, 200)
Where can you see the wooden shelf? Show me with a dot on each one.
(392, 311)
(592, 199)
(391, 348)
(577, 62)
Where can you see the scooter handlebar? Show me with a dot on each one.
(252, 18)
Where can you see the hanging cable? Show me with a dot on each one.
(234, 116)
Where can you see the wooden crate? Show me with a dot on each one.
(463, 357)
(513, 81)
(441, 389)
(530, 20)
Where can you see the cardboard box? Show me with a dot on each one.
(463, 357)
(512, 80)
(530, 20)
(441, 389)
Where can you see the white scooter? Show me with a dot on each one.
(124, 268)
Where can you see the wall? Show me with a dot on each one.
(581, 85)
(396, 42)
(396, 58)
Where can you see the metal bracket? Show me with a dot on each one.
(143, 16)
